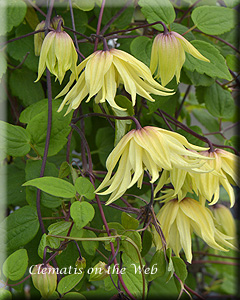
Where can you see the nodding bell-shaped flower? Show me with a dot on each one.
(205, 181)
(101, 74)
(168, 55)
(225, 221)
(151, 149)
(179, 219)
(44, 279)
(58, 54)
(225, 165)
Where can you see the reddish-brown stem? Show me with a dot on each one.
(138, 27)
(99, 23)
(21, 37)
(111, 244)
(219, 39)
(24, 279)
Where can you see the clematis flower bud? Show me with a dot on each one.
(80, 263)
(168, 55)
(58, 54)
(44, 279)
(55, 21)
(99, 272)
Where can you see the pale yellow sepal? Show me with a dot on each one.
(168, 56)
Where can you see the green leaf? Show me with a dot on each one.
(104, 142)
(231, 3)
(89, 246)
(159, 262)
(207, 120)
(64, 170)
(22, 85)
(129, 248)
(74, 295)
(54, 186)
(180, 268)
(217, 66)
(19, 48)
(121, 21)
(233, 62)
(15, 11)
(117, 226)
(47, 241)
(146, 242)
(165, 103)
(198, 79)
(156, 10)
(83, 4)
(141, 48)
(67, 283)
(234, 141)
(37, 127)
(20, 227)
(128, 221)
(33, 110)
(15, 138)
(3, 64)
(214, 20)
(82, 213)
(84, 188)
(5, 294)
(134, 281)
(219, 102)
(33, 169)
(16, 264)
(59, 228)
(122, 126)
(15, 178)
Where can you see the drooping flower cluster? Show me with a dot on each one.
(165, 155)
(179, 219)
(148, 148)
(101, 74)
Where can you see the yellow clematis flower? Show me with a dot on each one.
(104, 71)
(205, 182)
(148, 148)
(226, 165)
(168, 55)
(178, 220)
(58, 54)
(225, 220)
